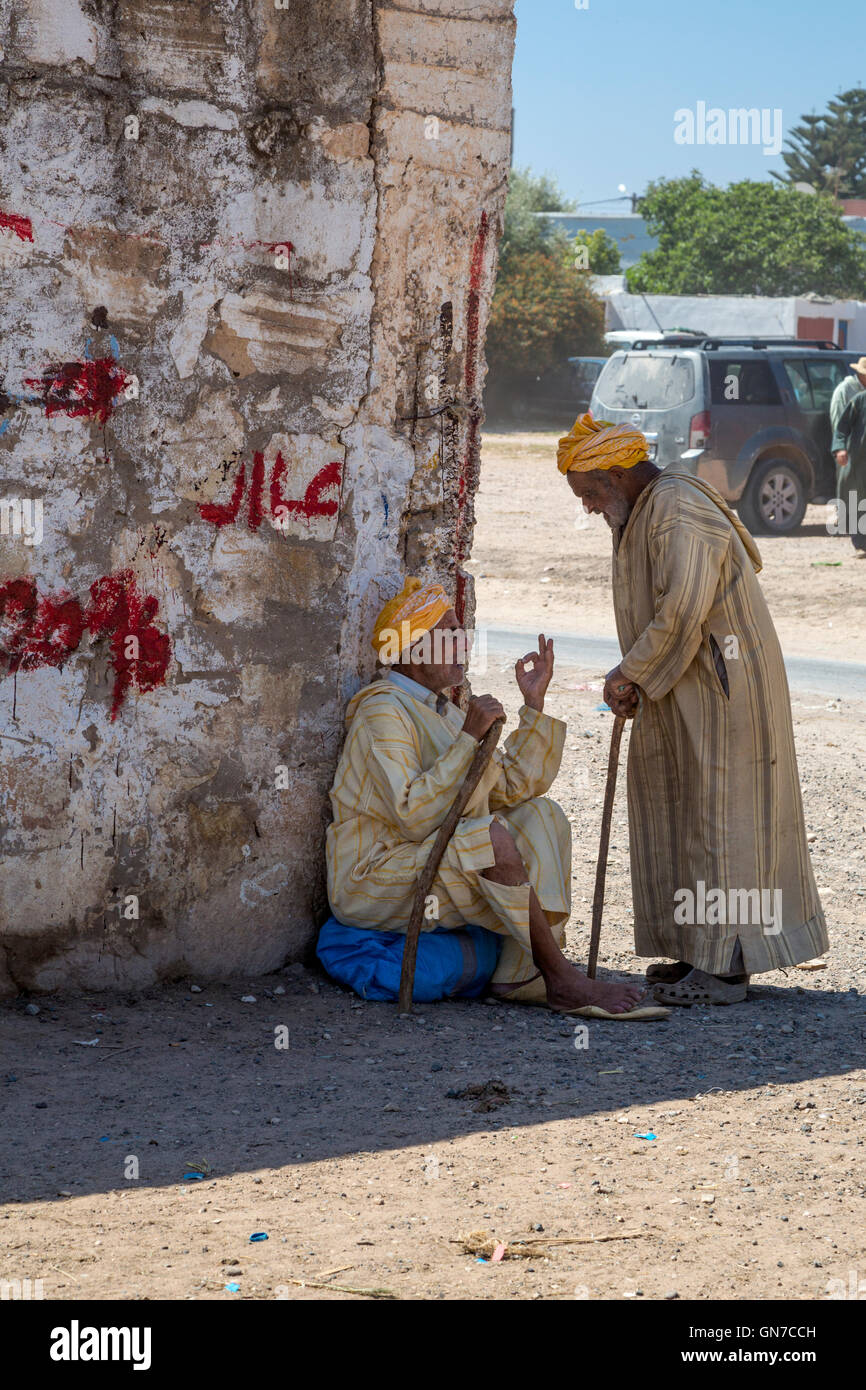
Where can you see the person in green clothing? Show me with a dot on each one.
(848, 388)
(849, 448)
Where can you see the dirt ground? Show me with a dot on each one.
(537, 555)
(369, 1145)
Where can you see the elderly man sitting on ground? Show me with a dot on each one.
(508, 864)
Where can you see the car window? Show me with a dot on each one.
(647, 383)
(798, 375)
(825, 375)
(585, 374)
(739, 381)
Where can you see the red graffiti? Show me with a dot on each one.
(313, 502)
(87, 388)
(36, 630)
(140, 653)
(221, 513)
(43, 630)
(21, 226)
(312, 505)
(255, 515)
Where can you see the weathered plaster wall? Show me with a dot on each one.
(242, 357)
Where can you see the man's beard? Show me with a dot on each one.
(616, 513)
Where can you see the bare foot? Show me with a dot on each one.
(576, 991)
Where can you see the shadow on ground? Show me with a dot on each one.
(178, 1077)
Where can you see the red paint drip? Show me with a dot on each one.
(313, 503)
(21, 226)
(119, 611)
(476, 268)
(470, 377)
(221, 513)
(255, 515)
(88, 389)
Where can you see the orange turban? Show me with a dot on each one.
(595, 444)
(415, 610)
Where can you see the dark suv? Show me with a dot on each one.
(748, 415)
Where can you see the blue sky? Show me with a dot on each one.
(595, 90)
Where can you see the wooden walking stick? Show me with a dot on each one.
(483, 754)
(601, 869)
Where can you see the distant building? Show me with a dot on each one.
(628, 230)
(842, 321)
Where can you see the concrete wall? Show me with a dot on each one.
(246, 255)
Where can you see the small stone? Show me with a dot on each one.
(280, 989)
(390, 1106)
(195, 989)
(671, 1293)
(248, 999)
(32, 1009)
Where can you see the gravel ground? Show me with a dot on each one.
(370, 1146)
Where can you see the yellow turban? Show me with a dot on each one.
(415, 610)
(595, 444)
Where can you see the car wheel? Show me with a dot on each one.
(774, 502)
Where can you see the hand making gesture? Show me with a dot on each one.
(534, 671)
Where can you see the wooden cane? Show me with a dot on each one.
(601, 869)
(481, 758)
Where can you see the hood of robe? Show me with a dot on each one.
(745, 536)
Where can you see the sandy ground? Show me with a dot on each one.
(370, 1144)
(538, 555)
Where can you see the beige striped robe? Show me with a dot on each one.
(713, 792)
(400, 769)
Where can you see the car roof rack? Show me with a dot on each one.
(669, 340)
(700, 340)
(823, 344)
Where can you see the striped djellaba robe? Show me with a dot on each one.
(713, 791)
(401, 767)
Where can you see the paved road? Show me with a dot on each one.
(845, 679)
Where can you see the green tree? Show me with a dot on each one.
(543, 311)
(829, 151)
(528, 194)
(749, 238)
(603, 252)
(543, 308)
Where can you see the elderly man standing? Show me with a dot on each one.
(508, 864)
(848, 388)
(721, 875)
